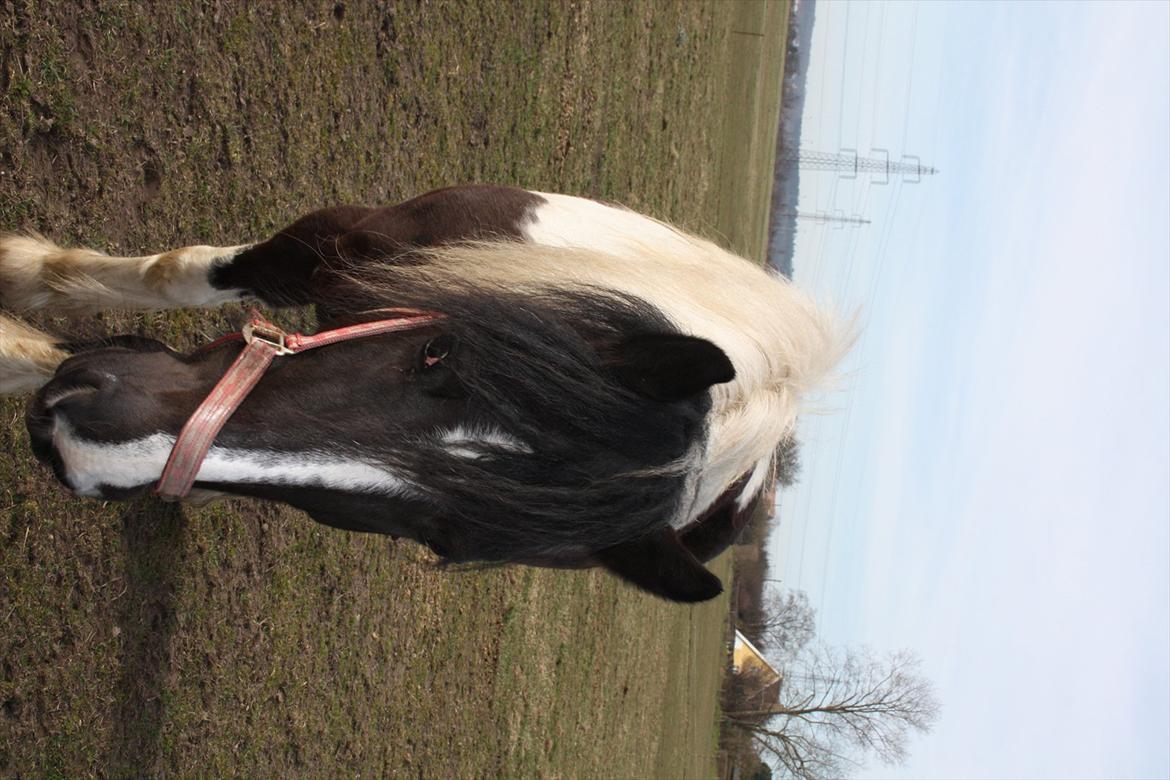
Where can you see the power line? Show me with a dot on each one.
(844, 58)
(841, 452)
(910, 77)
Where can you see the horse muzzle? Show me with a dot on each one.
(75, 392)
(99, 400)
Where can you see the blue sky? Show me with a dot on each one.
(990, 488)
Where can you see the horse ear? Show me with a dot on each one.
(658, 563)
(670, 367)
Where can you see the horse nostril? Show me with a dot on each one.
(74, 384)
(51, 401)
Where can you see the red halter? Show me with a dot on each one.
(263, 343)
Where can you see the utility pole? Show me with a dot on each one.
(836, 219)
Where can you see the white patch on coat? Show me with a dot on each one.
(564, 220)
(90, 465)
(37, 274)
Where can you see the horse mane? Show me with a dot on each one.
(783, 345)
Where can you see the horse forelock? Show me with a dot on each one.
(557, 455)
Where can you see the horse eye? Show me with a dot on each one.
(435, 351)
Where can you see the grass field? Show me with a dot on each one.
(143, 639)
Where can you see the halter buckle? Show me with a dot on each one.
(266, 333)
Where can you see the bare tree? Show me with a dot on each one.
(836, 708)
(783, 626)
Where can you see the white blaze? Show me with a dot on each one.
(89, 465)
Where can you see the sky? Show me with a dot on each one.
(989, 484)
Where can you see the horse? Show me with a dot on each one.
(503, 375)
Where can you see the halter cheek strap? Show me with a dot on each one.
(263, 343)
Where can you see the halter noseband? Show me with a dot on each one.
(263, 342)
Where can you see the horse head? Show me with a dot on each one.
(559, 429)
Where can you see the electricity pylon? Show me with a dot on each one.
(850, 165)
